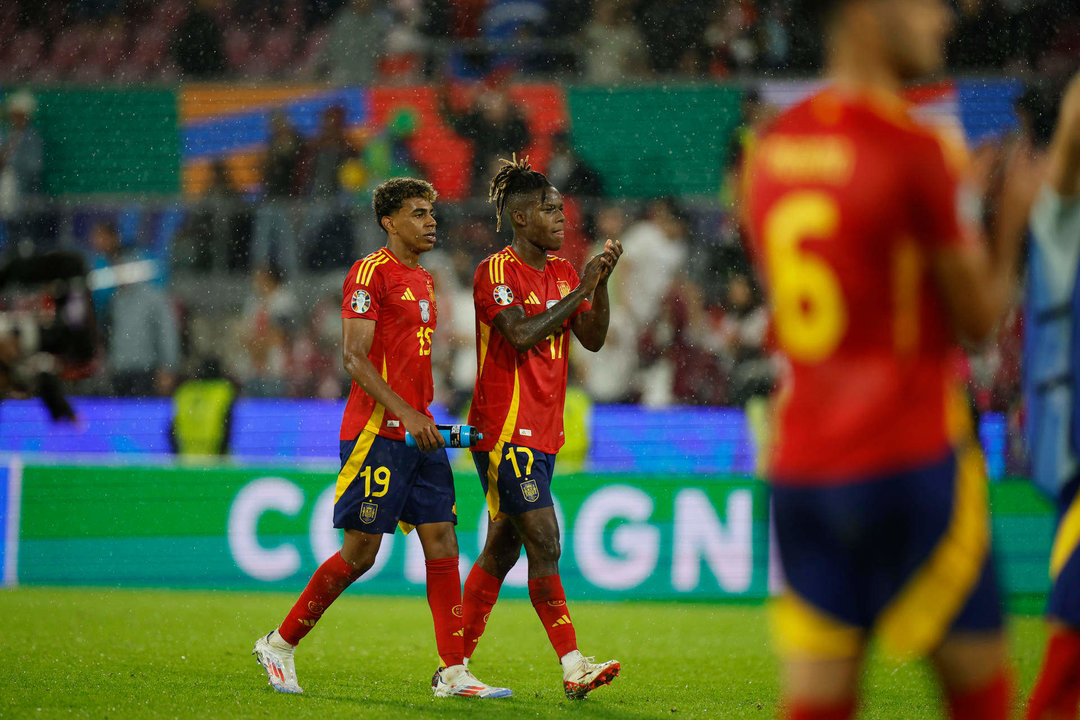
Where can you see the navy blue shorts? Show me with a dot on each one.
(906, 556)
(515, 478)
(1064, 600)
(384, 484)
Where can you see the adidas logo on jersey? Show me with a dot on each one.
(564, 620)
(408, 295)
(532, 299)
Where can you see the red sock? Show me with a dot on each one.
(549, 600)
(329, 581)
(481, 592)
(1057, 691)
(992, 701)
(806, 711)
(444, 598)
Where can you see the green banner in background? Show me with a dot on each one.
(640, 536)
(109, 140)
(653, 141)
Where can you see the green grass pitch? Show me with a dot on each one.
(158, 654)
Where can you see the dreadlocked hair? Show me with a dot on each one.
(515, 177)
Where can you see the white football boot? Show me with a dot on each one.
(581, 675)
(456, 680)
(276, 657)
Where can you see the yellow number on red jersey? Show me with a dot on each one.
(808, 302)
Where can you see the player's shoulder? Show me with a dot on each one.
(368, 268)
(920, 130)
(493, 268)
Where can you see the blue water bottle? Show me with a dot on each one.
(455, 436)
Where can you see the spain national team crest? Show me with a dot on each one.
(368, 512)
(564, 288)
(503, 295)
(530, 491)
(425, 310)
(361, 302)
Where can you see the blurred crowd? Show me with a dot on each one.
(364, 41)
(249, 282)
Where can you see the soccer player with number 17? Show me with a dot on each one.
(527, 302)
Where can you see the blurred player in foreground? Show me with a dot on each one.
(527, 302)
(388, 317)
(879, 489)
(1051, 363)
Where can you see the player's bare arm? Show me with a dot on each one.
(1064, 163)
(590, 327)
(524, 333)
(357, 335)
(977, 279)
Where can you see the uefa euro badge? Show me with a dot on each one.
(530, 491)
(503, 295)
(367, 512)
(361, 302)
(425, 310)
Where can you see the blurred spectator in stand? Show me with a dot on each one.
(274, 235)
(143, 340)
(655, 252)
(322, 361)
(327, 235)
(570, 173)
(353, 45)
(679, 367)
(202, 413)
(615, 50)
(981, 37)
(493, 124)
(672, 29)
(403, 59)
(198, 43)
(609, 375)
(388, 154)
(270, 319)
(21, 162)
(729, 39)
(743, 333)
(210, 220)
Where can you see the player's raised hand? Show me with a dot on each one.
(597, 268)
(423, 429)
(614, 250)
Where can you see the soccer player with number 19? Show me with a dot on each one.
(875, 272)
(527, 303)
(388, 317)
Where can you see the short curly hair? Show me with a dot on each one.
(392, 194)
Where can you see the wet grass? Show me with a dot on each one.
(158, 654)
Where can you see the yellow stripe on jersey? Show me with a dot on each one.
(495, 456)
(803, 631)
(363, 444)
(351, 470)
(1067, 539)
(485, 337)
(918, 619)
(365, 264)
(907, 278)
(369, 272)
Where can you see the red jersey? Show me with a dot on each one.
(519, 397)
(849, 197)
(401, 301)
